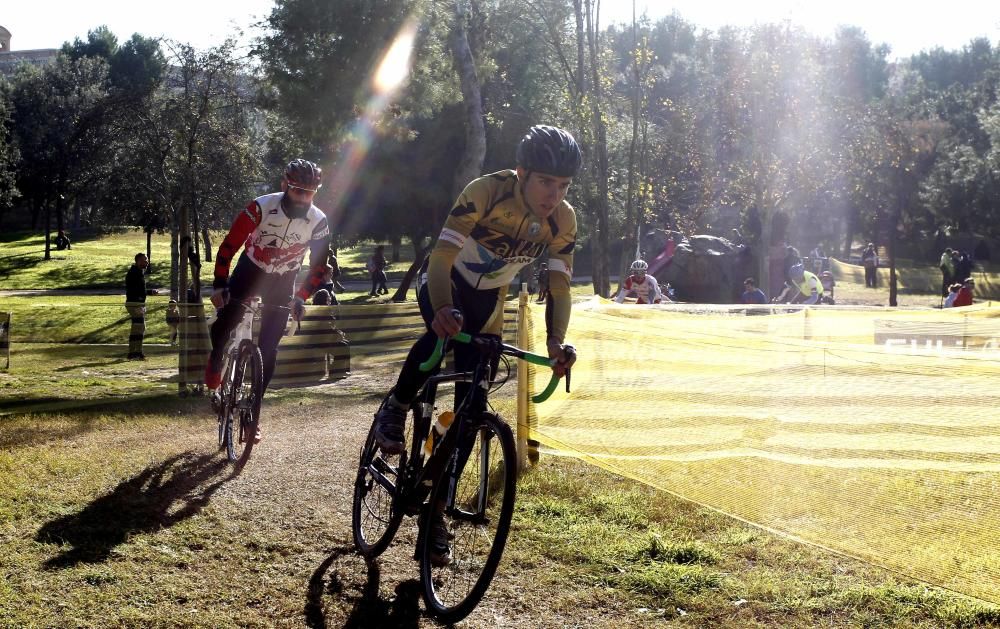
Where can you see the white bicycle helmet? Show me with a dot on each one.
(639, 265)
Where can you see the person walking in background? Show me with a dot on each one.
(376, 268)
(869, 260)
(135, 304)
(542, 280)
(173, 319)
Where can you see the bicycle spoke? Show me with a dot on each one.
(478, 520)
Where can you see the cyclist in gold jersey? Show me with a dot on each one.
(500, 223)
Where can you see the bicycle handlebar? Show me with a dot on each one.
(536, 359)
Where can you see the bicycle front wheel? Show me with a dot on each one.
(245, 396)
(478, 499)
(374, 516)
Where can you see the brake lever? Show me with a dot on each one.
(569, 349)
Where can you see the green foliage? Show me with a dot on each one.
(9, 154)
(317, 53)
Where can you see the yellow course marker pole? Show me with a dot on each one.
(522, 381)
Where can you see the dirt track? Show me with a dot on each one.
(300, 478)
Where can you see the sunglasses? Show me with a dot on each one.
(304, 190)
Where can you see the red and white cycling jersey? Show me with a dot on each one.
(274, 241)
(646, 289)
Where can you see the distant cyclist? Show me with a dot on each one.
(802, 287)
(275, 231)
(645, 287)
(500, 223)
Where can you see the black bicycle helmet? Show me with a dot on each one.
(549, 150)
(303, 174)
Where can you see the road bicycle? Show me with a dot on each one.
(242, 388)
(469, 472)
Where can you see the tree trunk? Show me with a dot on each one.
(48, 231)
(850, 226)
(174, 267)
(395, 242)
(184, 244)
(208, 243)
(149, 245)
(470, 166)
(631, 237)
(601, 278)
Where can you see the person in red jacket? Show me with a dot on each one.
(964, 297)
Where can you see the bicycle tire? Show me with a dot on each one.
(452, 592)
(374, 515)
(245, 397)
(225, 412)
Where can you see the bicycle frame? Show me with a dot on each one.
(243, 331)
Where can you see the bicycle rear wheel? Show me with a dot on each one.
(245, 396)
(479, 506)
(374, 516)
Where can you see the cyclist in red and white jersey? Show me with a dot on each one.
(275, 230)
(645, 287)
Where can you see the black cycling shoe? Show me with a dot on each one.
(389, 424)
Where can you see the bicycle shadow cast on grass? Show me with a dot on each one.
(158, 497)
(336, 581)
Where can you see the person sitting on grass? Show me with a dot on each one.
(952, 295)
(965, 294)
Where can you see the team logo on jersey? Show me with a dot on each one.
(534, 229)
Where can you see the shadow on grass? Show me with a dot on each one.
(160, 496)
(340, 582)
(82, 415)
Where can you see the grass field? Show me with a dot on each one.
(125, 515)
(101, 261)
(117, 510)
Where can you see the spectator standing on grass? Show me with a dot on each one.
(818, 259)
(376, 268)
(869, 260)
(963, 266)
(965, 294)
(135, 304)
(947, 266)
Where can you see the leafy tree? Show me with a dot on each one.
(9, 155)
(195, 150)
(58, 115)
(314, 53)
